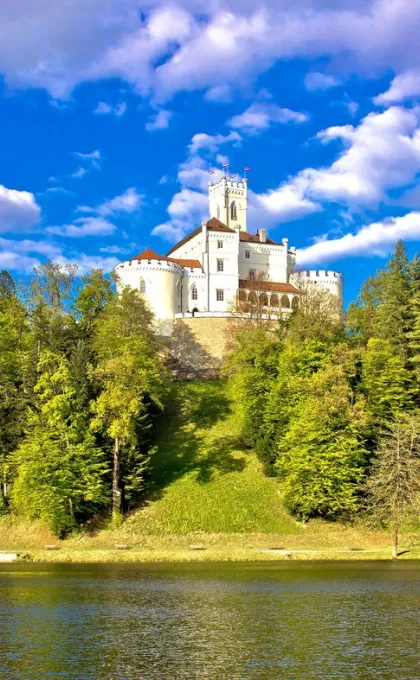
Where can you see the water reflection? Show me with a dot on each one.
(247, 621)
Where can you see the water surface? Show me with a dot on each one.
(293, 621)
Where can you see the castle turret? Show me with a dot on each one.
(329, 280)
(228, 202)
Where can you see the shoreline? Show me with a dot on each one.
(115, 556)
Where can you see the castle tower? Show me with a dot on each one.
(228, 202)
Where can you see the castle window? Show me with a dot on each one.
(220, 295)
(247, 254)
(274, 301)
(220, 265)
(149, 261)
(264, 300)
(233, 215)
(194, 293)
(142, 286)
(220, 244)
(285, 302)
(218, 212)
(252, 274)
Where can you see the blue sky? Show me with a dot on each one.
(113, 112)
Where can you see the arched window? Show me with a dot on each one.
(242, 296)
(274, 301)
(285, 302)
(295, 302)
(263, 299)
(194, 292)
(233, 215)
(218, 212)
(142, 286)
(252, 298)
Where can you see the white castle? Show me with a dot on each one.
(212, 266)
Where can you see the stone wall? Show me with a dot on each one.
(200, 343)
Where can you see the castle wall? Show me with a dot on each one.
(163, 286)
(329, 280)
(206, 337)
(264, 258)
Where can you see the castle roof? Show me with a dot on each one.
(149, 254)
(216, 225)
(268, 285)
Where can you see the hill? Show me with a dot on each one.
(201, 477)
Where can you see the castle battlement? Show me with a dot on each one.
(323, 274)
(163, 266)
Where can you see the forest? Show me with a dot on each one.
(329, 402)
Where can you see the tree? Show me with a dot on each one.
(14, 334)
(318, 316)
(385, 381)
(130, 373)
(393, 486)
(322, 456)
(59, 472)
(252, 367)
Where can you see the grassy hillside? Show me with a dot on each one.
(202, 478)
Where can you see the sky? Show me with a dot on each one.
(113, 113)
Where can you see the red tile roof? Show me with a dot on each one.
(216, 225)
(267, 285)
(150, 254)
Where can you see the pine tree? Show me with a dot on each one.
(60, 473)
(385, 381)
(130, 373)
(322, 456)
(393, 486)
(14, 335)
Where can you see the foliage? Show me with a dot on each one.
(130, 374)
(60, 472)
(393, 486)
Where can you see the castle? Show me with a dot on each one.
(214, 265)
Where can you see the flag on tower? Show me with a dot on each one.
(225, 165)
(212, 172)
(235, 175)
(247, 169)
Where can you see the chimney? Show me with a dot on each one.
(263, 235)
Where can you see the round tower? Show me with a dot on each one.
(159, 281)
(330, 280)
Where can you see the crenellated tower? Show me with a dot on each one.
(228, 202)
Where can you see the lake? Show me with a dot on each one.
(288, 620)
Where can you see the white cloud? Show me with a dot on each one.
(129, 202)
(221, 94)
(404, 86)
(19, 255)
(159, 121)
(284, 204)
(103, 108)
(79, 173)
(261, 116)
(381, 154)
(92, 156)
(320, 81)
(114, 250)
(212, 143)
(167, 48)
(84, 226)
(378, 239)
(19, 210)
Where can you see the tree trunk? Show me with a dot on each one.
(116, 491)
(395, 543)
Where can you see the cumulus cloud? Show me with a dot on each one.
(378, 239)
(84, 226)
(320, 81)
(19, 255)
(159, 121)
(381, 154)
(167, 48)
(261, 116)
(404, 86)
(19, 210)
(105, 109)
(129, 202)
(212, 143)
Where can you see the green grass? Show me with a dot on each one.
(202, 478)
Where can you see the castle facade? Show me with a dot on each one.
(214, 265)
